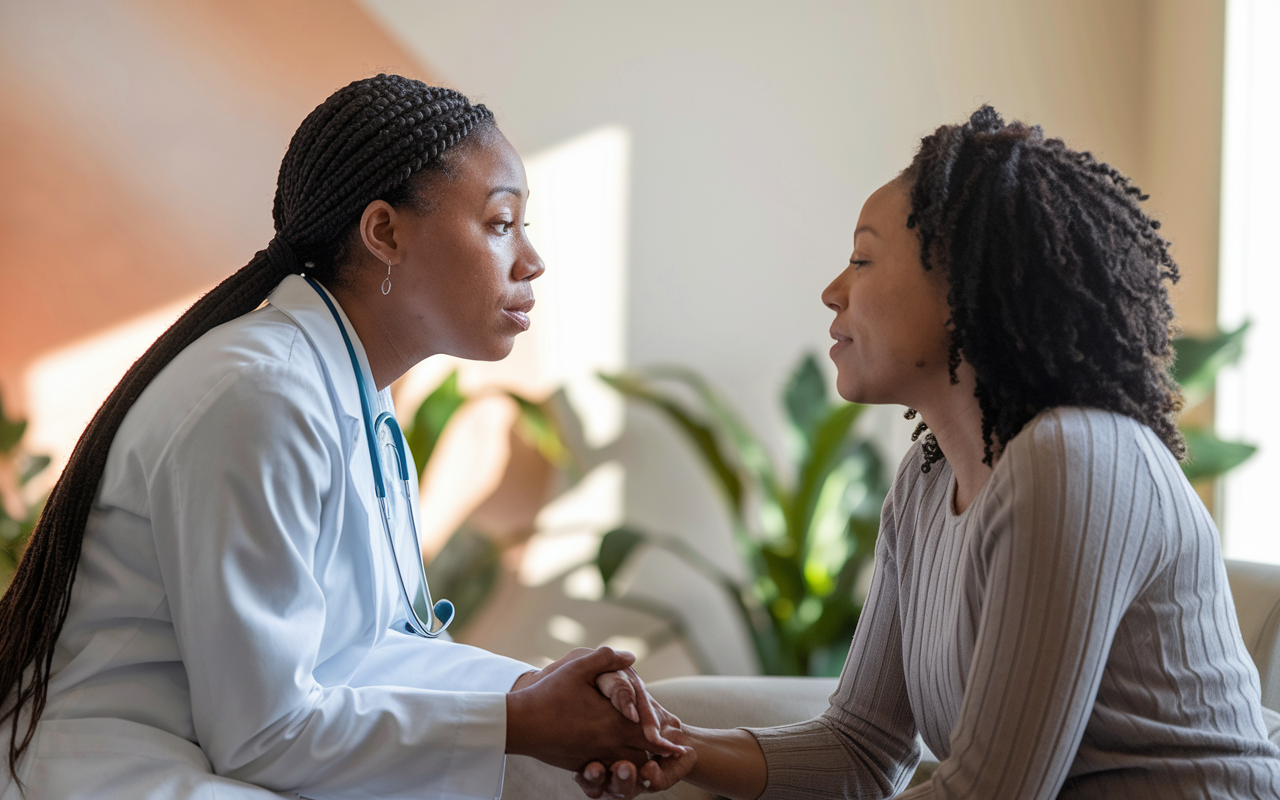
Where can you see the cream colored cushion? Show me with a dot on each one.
(731, 702)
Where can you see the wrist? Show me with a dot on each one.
(729, 762)
(517, 723)
(525, 679)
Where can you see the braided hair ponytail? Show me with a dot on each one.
(362, 144)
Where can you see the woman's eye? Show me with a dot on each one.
(856, 262)
(504, 226)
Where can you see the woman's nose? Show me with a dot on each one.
(832, 296)
(530, 265)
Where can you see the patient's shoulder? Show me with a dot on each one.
(1091, 441)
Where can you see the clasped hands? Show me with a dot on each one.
(590, 709)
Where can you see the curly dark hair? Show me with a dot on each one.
(1056, 277)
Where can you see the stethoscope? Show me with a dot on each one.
(440, 613)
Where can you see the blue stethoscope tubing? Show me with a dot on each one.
(441, 613)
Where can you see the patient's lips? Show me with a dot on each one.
(842, 341)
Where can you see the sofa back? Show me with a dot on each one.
(1255, 588)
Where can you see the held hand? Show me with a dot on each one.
(624, 781)
(625, 689)
(557, 715)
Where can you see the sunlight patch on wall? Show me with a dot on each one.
(577, 215)
(65, 387)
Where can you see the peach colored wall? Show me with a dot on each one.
(139, 143)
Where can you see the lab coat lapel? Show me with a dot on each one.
(295, 298)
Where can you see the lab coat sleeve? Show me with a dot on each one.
(403, 659)
(236, 505)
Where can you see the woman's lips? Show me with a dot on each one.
(520, 314)
(841, 342)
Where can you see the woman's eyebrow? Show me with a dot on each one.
(865, 229)
(508, 189)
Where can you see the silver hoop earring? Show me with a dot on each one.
(386, 283)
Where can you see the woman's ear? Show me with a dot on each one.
(378, 231)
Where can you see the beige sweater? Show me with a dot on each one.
(1071, 634)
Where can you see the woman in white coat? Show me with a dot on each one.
(209, 607)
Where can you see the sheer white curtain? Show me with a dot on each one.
(1248, 396)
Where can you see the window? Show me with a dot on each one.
(1248, 395)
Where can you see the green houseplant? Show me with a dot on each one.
(467, 568)
(17, 516)
(805, 540)
(1195, 368)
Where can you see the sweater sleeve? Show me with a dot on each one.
(1067, 545)
(864, 745)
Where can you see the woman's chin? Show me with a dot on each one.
(859, 391)
(492, 350)
(850, 389)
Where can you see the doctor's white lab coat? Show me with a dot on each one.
(233, 630)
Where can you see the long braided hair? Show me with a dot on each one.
(363, 143)
(1057, 278)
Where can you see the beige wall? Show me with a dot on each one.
(1181, 134)
(759, 128)
(140, 141)
(1181, 167)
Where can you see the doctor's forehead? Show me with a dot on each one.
(491, 169)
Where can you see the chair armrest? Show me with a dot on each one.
(713, 701)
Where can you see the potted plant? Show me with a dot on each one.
(806, 539)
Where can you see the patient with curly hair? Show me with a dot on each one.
(1050, 609)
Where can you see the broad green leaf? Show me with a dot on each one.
(806, 399)
(430, 419)
(839, 616)
(847, 488)
(703, 437)
(1197, 361)
(615, 548)
(828, 440)
(1208, 456)
(465, 571)
(750, 450)
(539, 429)
(10, 432)
(34, 466)
(785, 572)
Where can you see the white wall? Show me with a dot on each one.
(757, 131)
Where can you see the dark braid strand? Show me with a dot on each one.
(1057, 278)
(365, 142)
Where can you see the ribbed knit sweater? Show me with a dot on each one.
(1070, 634)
